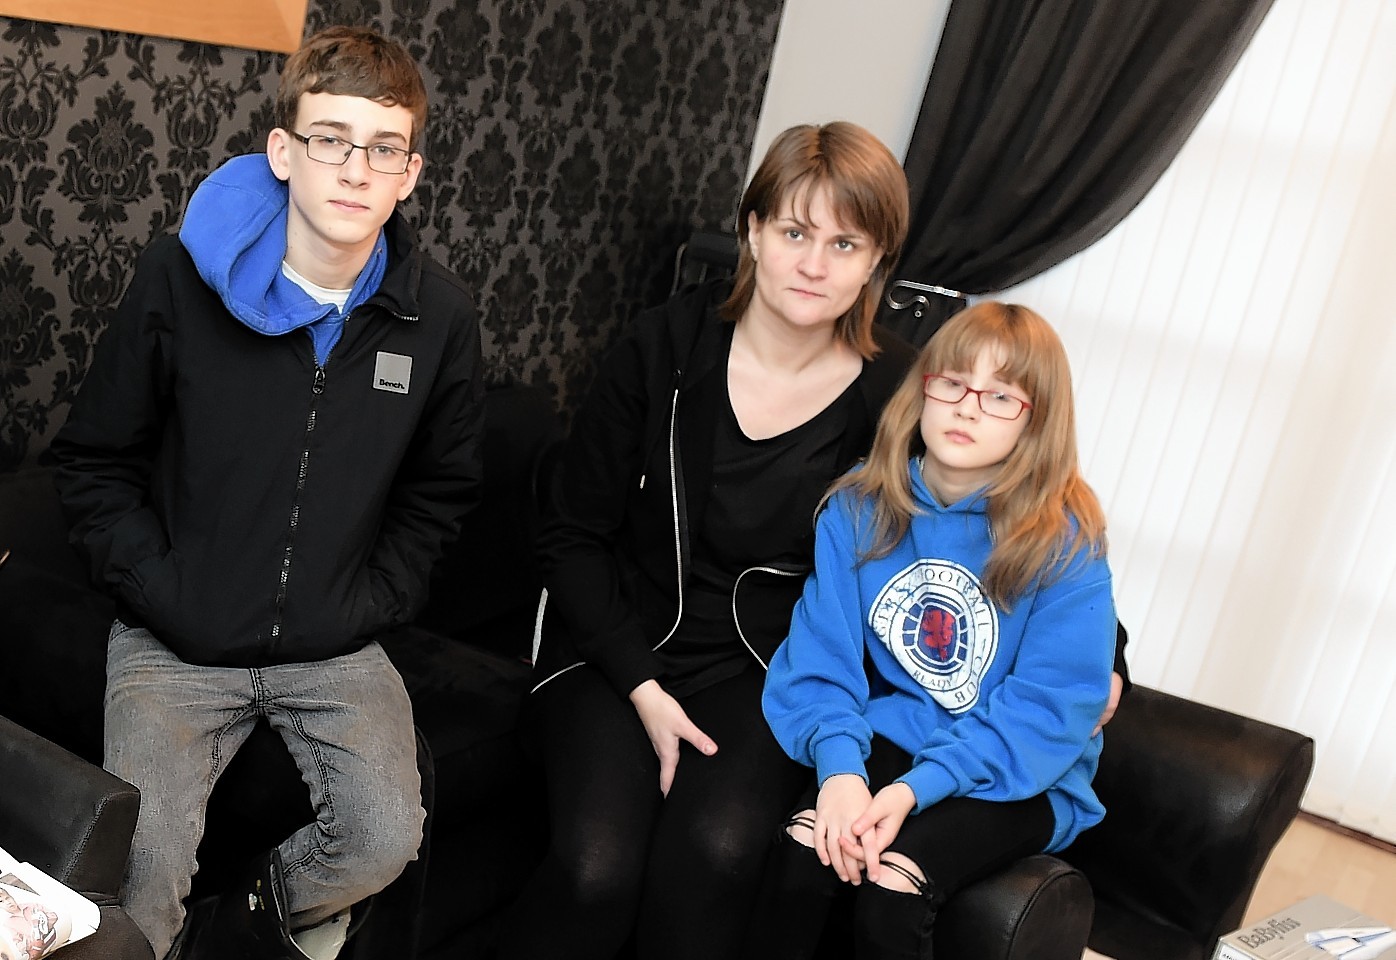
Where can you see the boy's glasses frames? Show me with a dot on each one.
(382, 158)
(994, 403)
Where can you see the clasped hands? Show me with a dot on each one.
(852, 826)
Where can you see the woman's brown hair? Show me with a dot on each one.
(1042, 514)
(352, 62)
(867, 190)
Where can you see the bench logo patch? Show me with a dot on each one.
(392, 372)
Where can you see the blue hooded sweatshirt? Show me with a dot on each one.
(991, 704)
(235, 230)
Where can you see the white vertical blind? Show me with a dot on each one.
(1234, 347)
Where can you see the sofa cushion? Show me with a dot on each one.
(485, 589)
(32, 524)
(56, 631)
(467, 702)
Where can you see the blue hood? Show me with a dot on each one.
(971, 503)
(235, 230)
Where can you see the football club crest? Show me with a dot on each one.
(936, 621)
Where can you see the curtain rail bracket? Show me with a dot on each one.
(918, 300)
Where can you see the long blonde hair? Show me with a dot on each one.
(1042, 514)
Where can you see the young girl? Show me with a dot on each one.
(947, 665)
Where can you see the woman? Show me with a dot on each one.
(681, 539)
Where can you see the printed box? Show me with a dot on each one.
(1314, 929)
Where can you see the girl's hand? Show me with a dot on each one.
(879, 823)
(841, 799)
(667, 724)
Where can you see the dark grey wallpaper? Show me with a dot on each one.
(573, 144)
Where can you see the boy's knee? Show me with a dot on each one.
(377, 847)
(393, 843)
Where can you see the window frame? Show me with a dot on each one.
(276, 25)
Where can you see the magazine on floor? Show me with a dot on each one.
(38, 915)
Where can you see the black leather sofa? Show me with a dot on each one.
(1197, 797)
(79, 833)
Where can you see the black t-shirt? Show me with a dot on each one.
(760, 512)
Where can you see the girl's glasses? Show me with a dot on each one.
(994, 403)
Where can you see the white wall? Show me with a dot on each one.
(1235, 362)
(1235, 357)
(866, 62)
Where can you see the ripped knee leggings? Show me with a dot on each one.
(952, 844)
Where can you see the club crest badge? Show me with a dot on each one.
(936, 621)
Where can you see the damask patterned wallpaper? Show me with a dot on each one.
(573, 144)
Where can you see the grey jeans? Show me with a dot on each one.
(171, 728)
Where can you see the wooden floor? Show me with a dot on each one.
(1314, 857)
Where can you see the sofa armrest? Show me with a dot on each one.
(67, 817)
(1036, 909)
(1196, 799)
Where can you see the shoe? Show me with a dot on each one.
(246, 922)
(324, 940)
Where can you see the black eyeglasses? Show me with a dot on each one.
(995, 403)
(382, 157)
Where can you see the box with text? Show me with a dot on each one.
(1314, 929)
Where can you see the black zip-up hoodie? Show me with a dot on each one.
(632, 496)
(251, 506)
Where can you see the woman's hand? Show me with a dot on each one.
(879, 823)
(1117, 686)
(667, 724)
(841, 799)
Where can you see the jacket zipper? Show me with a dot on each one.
(317, 388)
(674, 504)
(678, 558)
(737, 620)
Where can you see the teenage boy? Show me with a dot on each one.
(278, 433)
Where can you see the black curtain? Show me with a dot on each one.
(1044, 123)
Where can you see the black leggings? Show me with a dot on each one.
(681, 871)
(953, 843)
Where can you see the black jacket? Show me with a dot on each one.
(250, 507)
(633, 490)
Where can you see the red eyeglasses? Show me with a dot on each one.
(994, 403)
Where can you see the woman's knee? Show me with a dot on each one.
(601, 870)
(718, 845)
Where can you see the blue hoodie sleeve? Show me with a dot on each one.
(1036, 725)
(816, 688)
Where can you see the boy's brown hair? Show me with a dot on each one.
(353, 62)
